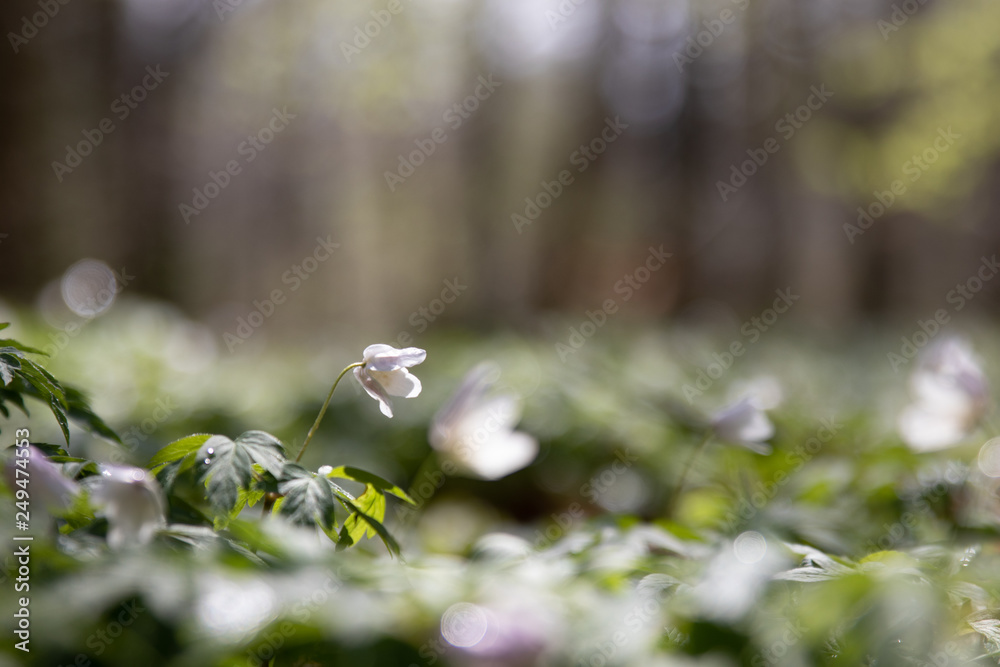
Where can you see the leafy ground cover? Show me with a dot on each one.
(645, 501)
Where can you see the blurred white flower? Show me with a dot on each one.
(475, 431)
(950, 396)
(764, 391)
(48, 486)
(744, 423)
(133, 503)
(384, 373)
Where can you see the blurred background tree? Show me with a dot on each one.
(698, 85)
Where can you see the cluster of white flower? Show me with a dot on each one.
(950, 397)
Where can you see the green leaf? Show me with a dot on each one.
(48, 389)
(347, 538)
(9, 364)
(79, 411)
(21, 347)
(308, 499)
(178, 449)
(370, 479)
(229, 470)
(264, 449)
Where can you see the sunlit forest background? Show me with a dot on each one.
(688, 113)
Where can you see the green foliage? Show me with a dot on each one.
(24, 377)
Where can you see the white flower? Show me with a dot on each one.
(48, 486)
(475, 431)
(950, 397)
(132, 502)
(384, 373)
(763, 390)
(743, 423)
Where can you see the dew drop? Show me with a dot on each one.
(207, 461)
(211, 450)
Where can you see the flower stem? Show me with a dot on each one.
(687, 468)
(322, 411)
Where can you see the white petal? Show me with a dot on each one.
(928, 431)
(502, 454)
(383, 358)
(132, 501)
(742, 422)
(496, 413)
(469, 393)
(374, 390)
(398, 382)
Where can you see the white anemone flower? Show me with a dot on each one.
(476, 431)
(49, 487)
(950, 397)
(133, 503)
(385, 373)
(744, 423)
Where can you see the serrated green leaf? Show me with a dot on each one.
(227, 472)
(178, 449)
(370, 479)
(308, 499)
(265, 449)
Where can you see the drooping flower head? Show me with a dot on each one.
(385, 373)
(476, 431)
(950, 397)
(132, 501)
(744, 423)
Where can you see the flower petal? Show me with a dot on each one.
(502, 454)
(399, 382)
(374, 390)
(383, 358)
(742, 422)
(930, 430)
